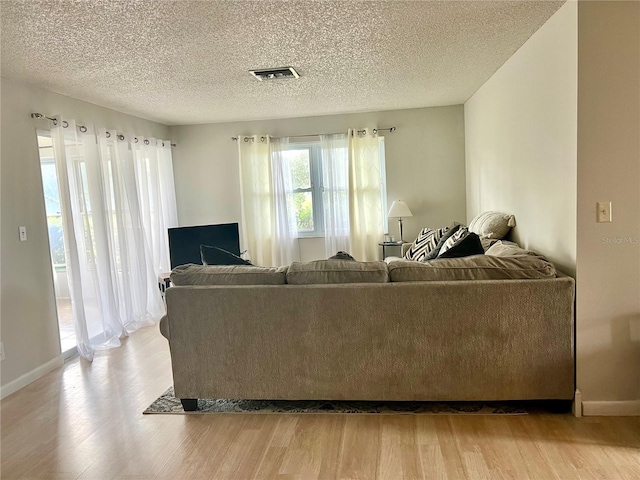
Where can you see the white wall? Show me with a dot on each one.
(608, 261)
(29, 326)
(425, 165)
(554, 131)
(521, 130)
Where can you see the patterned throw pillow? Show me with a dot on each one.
(427, 240)
(467, 244)
(453, 239)
(451, 231)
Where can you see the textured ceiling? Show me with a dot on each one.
(186, 62)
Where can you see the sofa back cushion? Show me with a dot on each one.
(476, 267)
(337, 271)
(192, 274)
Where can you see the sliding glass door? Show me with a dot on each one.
(56, 243)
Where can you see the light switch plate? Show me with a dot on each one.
(23, 234)
(1, 351)
(603, 212)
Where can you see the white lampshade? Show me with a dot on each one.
(399, 209)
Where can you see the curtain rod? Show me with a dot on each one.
(375, 130)
(83, 129)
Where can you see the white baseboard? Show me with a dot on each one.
(31, 376)
(628, 408)
(577, 404)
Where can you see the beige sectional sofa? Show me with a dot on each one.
(476, 328)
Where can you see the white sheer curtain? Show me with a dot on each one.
(286, 229)
(109, 246)
(365, 195)
(268, 219)
(153, 167)
(335, 181)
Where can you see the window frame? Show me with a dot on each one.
(50, 161)
(316, 189)
(314, 148)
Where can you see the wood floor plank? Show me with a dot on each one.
(359, 454)
(84, 421)
(453, 463)
(308, 446)
(332, 450)
(399, 452)
(533, 461)
(270, 463)
(432, 462)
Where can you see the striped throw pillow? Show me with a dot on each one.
(426, 242)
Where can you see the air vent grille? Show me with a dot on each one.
(274, 73)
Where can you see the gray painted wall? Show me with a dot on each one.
(521, 134)
(608, 266)
(29, 326)
(554, 131)
(424, 162)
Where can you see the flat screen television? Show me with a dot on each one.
(184, 242)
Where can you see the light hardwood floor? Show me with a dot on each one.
(85, 421)
(65, 322)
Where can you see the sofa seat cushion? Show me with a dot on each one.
(476, 267)
(192, 274)
(502, 248)
(337, 271)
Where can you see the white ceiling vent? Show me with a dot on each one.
(274, 73)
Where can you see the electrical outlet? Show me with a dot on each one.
(23, 234)
(603, 212)
(1, 351)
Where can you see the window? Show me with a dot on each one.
(305, 163)
(306, 178)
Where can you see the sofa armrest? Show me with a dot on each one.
(164, 327)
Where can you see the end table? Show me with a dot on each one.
(386, 245)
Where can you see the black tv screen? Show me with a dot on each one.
(184, 242)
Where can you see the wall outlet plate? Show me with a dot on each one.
(603, 210)
(1, 351)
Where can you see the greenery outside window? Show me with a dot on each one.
(305, 164)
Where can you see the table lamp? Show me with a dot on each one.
(399, 210)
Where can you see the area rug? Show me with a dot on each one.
(169, 404)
